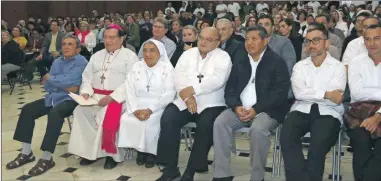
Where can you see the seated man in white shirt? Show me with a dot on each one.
(149, 89)
(364, 78)
(260, 6)
(199, 78)
(95, 128)
(260, 105)
(169, 7)
(221, 9)
(357, 46)
(318, 83)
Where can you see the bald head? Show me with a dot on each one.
(212, 31)
(209, 39)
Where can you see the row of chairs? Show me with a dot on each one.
(18, 76)
(277, 155)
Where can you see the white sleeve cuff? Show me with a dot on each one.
(320, 94)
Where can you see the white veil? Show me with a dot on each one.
(163, 52)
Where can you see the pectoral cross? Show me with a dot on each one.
(200, 76)
(147, 88)
(102, 78)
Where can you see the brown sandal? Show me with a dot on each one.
(41, 167)
(21, 160)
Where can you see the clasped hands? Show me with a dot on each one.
(245, 115)
(190, 101)
(143, 114)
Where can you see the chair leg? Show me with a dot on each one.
(12, 85)
(338, 162)
(279, 152)
(234, 145)
(275, 150)
(183, 132)
(69, 123)
(189, 133)
(30, 86)
(334, 163)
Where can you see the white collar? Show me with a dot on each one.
(328, 60)
(114, 52)
(260, 57)
(208, 55)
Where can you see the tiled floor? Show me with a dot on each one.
(68, 168)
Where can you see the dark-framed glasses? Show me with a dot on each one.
(315, 41)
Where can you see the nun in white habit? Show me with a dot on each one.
(150, 89)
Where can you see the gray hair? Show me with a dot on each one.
(77, 42)
(225, 20)
(262, 31)
(194, 29)
(162, 21)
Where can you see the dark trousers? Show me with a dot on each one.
(56, 115)
(44, 65)
(171, 123)
(366, 155)
(324, 131)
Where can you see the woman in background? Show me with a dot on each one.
(189, 37)
(18, 37)
(286, 29)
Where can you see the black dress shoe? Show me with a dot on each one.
(169, 174)
(223, 179)
(140, 158)
(150, 160)
(110, 163)
(86, 162)
(186, 178)
(188, 175)
(202, 170)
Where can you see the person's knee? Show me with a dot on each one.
(219, 123)
(28, 108)
(55, 115)
(169, 118)
(257, 129)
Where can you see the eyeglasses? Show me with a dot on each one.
(208, 40)
(315, 41)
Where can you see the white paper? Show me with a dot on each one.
(81, 100)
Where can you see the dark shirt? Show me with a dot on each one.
(297, 43)
(11, 53)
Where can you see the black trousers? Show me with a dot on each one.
(44, 65)
(56, 115)
(324, 131)
(366, 155)
(171, 122)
